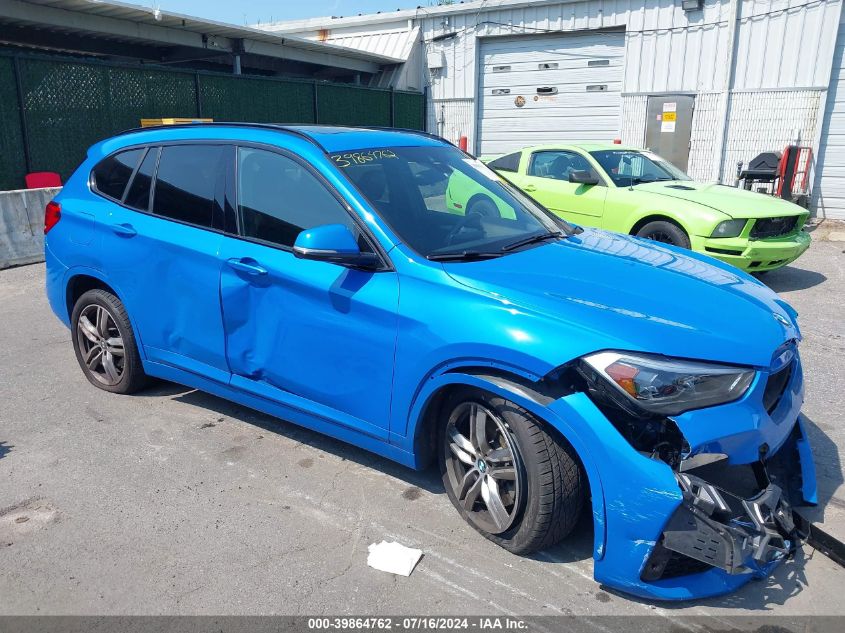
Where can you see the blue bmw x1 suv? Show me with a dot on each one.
(318, 274)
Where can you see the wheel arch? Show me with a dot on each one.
(81, 280)
(80, 283)
(476, 197)
(530, 395)
(658, 216)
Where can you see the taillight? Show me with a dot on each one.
(52, 215)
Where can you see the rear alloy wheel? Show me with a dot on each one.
(104, 343)
(511, 480)
(665, 232)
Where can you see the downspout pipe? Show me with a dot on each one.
(725, 106)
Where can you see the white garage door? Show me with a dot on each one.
(829, 188)
(554, 88)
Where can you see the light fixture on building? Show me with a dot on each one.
(692, 5)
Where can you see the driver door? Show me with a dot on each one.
(547, 181)
(314, 336)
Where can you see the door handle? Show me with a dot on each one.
(124, 229)
(529, 188)
(246, 267)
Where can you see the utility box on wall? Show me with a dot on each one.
(668, 127)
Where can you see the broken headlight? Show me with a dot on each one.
(668, 386)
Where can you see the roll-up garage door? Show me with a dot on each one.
(547, 89)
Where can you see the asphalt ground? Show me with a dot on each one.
(178, 502)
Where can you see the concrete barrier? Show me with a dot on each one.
(22, 225)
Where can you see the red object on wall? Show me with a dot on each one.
(462, 142)
(40, 179)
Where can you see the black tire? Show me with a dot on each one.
(483, 206)
(549, 481)
(666, 232)
(127, 373)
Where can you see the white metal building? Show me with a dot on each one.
(743, 76)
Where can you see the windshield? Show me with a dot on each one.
(630, 167)
(442, 202)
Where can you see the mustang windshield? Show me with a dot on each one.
(629, 167)
(447, 205)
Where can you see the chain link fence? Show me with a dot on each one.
(52, 110)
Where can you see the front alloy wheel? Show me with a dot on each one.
(483, 467)
(509, 475)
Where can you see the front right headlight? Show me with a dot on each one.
(729, 228)
(669, 386)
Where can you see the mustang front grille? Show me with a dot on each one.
(772, 227)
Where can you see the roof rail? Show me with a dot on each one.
(277, 127)
(290, 129)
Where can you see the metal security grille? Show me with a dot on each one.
(68, 105)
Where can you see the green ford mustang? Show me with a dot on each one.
(634, 191)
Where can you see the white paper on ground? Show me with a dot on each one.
(393, 558)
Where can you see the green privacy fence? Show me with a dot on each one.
(52, 110)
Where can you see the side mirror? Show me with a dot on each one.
(332, 243)
(583, 177)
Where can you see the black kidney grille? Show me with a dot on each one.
(772, 227)
(775, 386)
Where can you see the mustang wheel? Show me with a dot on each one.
(105, 344)
(666, 232)
(511, 480)
(483, 206)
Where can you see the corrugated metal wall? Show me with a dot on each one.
(829, 188)
(782, 53)
(779, 44)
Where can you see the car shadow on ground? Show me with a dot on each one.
(786, 581)
(428, 479)
(791, 278)
(828, 470)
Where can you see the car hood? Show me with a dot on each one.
(604, 290)
(735, 202)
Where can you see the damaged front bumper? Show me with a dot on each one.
(723, 513)
(716, 528)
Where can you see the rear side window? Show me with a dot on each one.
(187, 180)
(111, 174)
(278, 198)
(509, 162)
(138, 196)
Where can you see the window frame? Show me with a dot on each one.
(518, 155)
(92, 181)
(598, 172)
(233, 201)
(147, 150)
(218, 219)
(222, 219)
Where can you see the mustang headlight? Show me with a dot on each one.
(668, 386)
(729, 228)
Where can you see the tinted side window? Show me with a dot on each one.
(138, 196)
(187, 179)
(557, 165)
(506, 163)
(278, 198)
(112, 173)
